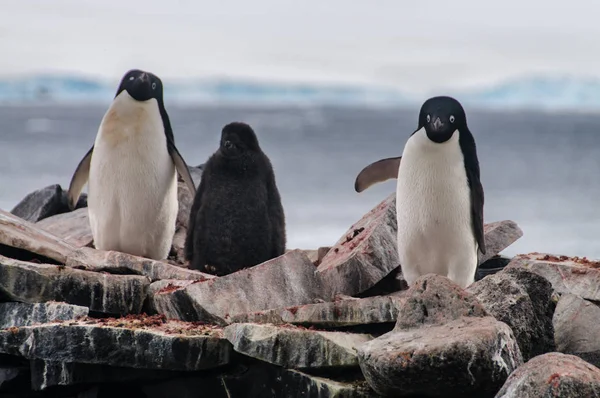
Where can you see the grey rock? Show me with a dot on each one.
(158, 293)
(18, 233)
(40, 204)
(576, 328)
(316, 255)
(36, 283)
(436, 300)
(574, 275)
(365, 254)
(24, 314)
(117, 262)
(553, 375)
(498, 236)
(138, 342)
(522, 300)
(278, 283)
(371, 310)
(73, 227)
(294, 347)
(45, 374)
(467, 357)
(302, 384)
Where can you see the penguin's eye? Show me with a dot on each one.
(451, 118)
(131, 78)
(153, 86)
(428, 118)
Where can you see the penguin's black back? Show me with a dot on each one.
(237, 219)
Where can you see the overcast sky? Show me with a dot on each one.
(416, 45)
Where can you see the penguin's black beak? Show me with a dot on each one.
(437, 125)
(141, 87)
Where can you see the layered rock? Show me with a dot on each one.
(123, 263)
(137, 342)
(574, 275)
(20, 234)
(73, 227)
(340, 313)
(281, 282)
(498, 236)
(553, 375)
(24, 314)
(37, 283)
(295, 347)
(365, 254)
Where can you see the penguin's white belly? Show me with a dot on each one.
(434, 212)
(132, 198)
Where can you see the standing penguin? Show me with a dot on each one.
(237, 219)
(132, 172)
(439, 197)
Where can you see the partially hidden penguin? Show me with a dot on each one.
(237, 219)
(131, 171)
(439, 196)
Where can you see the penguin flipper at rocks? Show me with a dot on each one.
(477, 198)
(79, 179)
(180, 164)
(379, 171)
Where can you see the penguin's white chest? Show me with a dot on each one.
(434, 211)
(132, 198)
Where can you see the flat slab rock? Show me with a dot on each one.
(576, 328)
(278, 283)
(553, 375)
(21, 234)
(365, 254)
(24, 314)
(523, 300)
(498, 236)
(90, 259)
(341, 313)
(467, 357)
(575, 275)
(73, 227)
(134, 341)
(37, 283)
(294, 347)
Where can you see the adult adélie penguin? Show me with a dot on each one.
(131, 171)
(439, 196)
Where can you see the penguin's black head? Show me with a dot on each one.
(236, 139)
(441, 117)
(141, 85)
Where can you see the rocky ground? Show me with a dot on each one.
(337, 321)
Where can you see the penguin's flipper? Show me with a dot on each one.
(477, 199)
(182, 168)
(79, 179)
(377, 172)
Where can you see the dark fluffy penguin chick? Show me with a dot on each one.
(237, 219)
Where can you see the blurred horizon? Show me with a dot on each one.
(420, 48)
